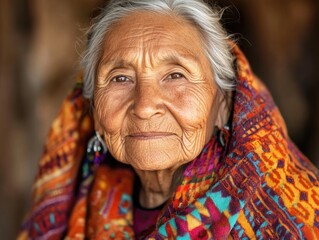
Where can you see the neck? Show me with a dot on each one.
(157, 186)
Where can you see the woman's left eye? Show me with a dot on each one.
(175, 76)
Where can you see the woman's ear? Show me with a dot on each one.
(223, 109)
(97, 124)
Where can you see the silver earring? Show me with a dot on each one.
(96, 144)
(96, 149)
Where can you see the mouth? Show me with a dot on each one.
(149, 135)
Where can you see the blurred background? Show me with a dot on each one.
(41, 42)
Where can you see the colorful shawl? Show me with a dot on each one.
(249, 182)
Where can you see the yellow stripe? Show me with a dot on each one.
(246, 226)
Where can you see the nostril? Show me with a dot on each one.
(147, 104)
(147, 109)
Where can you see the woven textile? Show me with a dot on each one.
(255, 184)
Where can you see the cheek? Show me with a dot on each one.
(110, 109)
(193, 107)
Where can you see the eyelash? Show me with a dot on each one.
(175, 73)
(115, 79)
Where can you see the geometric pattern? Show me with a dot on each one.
(255, 184)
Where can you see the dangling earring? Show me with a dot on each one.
(96, 149)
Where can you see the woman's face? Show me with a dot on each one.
(154, 93)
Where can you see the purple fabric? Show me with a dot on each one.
(144, 219)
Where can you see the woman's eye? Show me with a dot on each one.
(175, 76)
(120, 79)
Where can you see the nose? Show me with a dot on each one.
(148, 101)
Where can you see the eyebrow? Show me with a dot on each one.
(178, 58)
(116, 63)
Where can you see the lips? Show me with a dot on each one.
(149, 135)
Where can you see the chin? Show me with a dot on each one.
(153, 155)
(154, 162)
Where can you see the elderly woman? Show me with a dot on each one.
(175, 138)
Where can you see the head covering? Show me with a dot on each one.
(250, 181)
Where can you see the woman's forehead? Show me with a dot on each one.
(153, 35)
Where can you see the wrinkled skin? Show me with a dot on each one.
(155, 99)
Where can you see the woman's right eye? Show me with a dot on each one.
(120, 79)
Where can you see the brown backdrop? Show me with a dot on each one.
(42, 40)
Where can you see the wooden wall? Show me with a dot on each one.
(42, 40)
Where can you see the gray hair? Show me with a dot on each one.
(207, 21)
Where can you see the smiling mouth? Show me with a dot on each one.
(150, 135)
